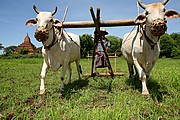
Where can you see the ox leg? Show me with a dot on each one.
(78, 69)
(64, 68)
(144, 87)
(131, 71)
(42, 77)
(142, 77)
(136, 71)
(70, 72)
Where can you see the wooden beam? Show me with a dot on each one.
(112, 23)
(103, 23)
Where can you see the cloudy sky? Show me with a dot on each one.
(14, 14)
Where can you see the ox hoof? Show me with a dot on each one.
(145, 93)
(41, 92)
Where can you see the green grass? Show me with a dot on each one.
(98, 98)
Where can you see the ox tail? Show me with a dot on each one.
(80, 70)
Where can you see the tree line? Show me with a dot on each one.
(170, 46)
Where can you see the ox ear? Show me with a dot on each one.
(140, 19)
(172, 14)
(31, 22)
(57, 23)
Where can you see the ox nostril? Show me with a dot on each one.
(165, 21)
(46, 26)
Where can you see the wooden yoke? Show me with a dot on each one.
(98, 36)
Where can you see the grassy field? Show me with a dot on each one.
(98, 98)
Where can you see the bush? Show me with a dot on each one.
(23, 51)
(167, 44)
(20, 56)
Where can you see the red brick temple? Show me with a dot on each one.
(26, 45)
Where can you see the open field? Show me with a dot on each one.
(98, 98)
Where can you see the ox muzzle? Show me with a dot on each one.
(158, 27)
(41, 34)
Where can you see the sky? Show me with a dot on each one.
(14, 14)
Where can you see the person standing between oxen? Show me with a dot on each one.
(100, 57)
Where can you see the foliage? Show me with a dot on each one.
(87, 44)
(176, 37)
(169, 47)
(1, 46)
(20, 56)
(9, 50)
(176, 49)
(23, 51)
(175, 53)
(115, 44)
(98, 98)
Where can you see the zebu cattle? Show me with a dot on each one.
(141, 47)
(59, 47)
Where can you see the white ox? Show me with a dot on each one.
(141, 47)
(59, 48)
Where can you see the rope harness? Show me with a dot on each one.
(150, 42)
(60, 34)
(54, 41)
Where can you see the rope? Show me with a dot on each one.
(72, 39)
(138, 8)
(129, 34)
(65, 13)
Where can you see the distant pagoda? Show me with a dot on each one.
(27, 45)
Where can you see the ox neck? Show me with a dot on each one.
(52, 41)
(151, 40)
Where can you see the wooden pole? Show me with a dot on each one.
(115, 63)
(103, 23)
(65, 13)
(98, 37)
(96, 34)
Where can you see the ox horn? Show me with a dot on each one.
(164, 2)
(142, 4)
(35, 9)
(54, 11)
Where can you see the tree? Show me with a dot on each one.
(167, 44)
(9, 50)
(87, 44)
(175, 53)
(1, 47)
(115, 44)
(176, 49)
(24, 51)
(176, 37)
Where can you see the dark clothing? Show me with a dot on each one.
(101, 60)
(100, 57)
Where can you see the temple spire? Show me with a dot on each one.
(26, 45)
(27, 39)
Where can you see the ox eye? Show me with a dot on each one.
(36, 19)
(51, 20)
(146, 12)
